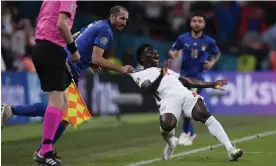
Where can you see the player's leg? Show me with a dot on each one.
(168, 121)
(192, 135)
(188, 133)
(32, 110)
(200, 113)
(49, 60)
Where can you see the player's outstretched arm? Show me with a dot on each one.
(97, 59)
(151, 87)
(201, 84)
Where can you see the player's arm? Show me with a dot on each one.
(215, 58)
(101, 43)
(190, 82)
(176, 48)
(98, 60)
(215, 55)
(174, 53)
(151, 87)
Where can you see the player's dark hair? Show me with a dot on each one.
(198, 14)
(116, 9)
(139, 51)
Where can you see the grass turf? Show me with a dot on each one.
(107, 142)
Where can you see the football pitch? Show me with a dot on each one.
(136, 141)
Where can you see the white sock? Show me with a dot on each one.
(167, 135)
(217, 130)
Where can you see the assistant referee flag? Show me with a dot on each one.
(77, 111)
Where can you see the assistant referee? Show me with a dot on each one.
(52, 34)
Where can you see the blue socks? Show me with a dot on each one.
(34, 110)
(188, 126)
(192, 130)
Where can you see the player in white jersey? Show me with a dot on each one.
(175, 100)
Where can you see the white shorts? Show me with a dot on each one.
(179, 104)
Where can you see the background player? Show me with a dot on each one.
(195, 48)
(92, 41)
(174, 99)
(54, 23)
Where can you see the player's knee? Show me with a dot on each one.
(168, 122)
(200, 112)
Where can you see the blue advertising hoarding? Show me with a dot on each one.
(250, 93)
(19, 88)
(245, 93)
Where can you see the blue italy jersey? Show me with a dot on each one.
(98, 34)
(194, 52)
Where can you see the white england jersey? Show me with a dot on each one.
(169, 85)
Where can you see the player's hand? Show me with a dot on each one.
(208, 65)
(220, 83)
(96, 69)
(126, 69)
(164, 68)
(75, 57)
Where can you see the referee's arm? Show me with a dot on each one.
(62, 26)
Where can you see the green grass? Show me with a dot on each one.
(106, 142)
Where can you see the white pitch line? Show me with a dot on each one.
(243, 139)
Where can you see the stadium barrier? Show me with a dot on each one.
(246, 93)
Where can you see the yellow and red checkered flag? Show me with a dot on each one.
(77, 111)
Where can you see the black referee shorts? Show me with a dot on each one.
(49, 61)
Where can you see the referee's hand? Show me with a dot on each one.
(75, 57)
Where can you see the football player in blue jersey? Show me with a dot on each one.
(91, 41)
(198, 52)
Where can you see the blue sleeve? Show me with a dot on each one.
(103, 39)
(177, 45)
(214, 47)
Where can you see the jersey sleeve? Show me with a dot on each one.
(177, 45)
(67, 7)
(174, 73)
(103, 39)
(138, 77)
(214, 47)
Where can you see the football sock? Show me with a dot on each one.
(217, 130)
(186, 126)
(33, 110)
(167, 135)
(192, 129)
